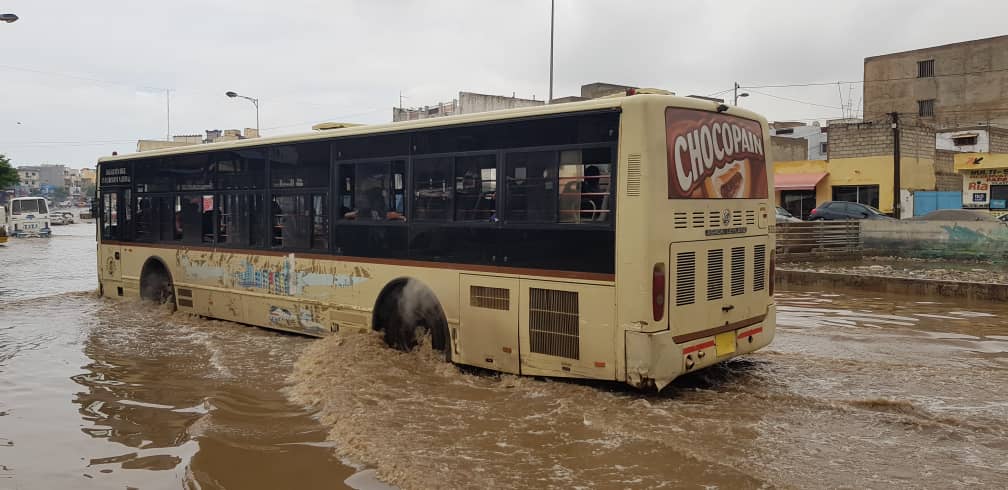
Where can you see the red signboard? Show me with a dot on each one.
(714, 156)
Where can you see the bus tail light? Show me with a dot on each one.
(773, 269)
(658, 291)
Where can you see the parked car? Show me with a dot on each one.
(832, 210)
(56, 219)
(68, 217)
(956, 215)
(783, 216)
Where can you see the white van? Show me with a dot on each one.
(29, 216)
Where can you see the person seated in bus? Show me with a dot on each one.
(592, 198)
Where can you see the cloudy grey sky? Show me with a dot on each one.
(79, 80)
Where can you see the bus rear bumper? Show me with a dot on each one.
(655, 359)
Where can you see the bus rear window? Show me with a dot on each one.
(24, 206)
(714, 156)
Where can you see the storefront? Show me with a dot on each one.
(985, 181)
(797, 192)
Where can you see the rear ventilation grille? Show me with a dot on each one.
(759, 268)
(185, 302)
(554, 328)
(680, 220)
(492, 298)
(737, 271)
(736, 219)
(714, 219)
(633, 181)
(715, 274)
(185, 292)
(685, 278)
(698, 219)
(750, 217)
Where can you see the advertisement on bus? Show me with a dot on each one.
(714, 156)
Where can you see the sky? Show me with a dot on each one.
(79, 80)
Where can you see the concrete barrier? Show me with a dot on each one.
(794, 279)
(936, 239)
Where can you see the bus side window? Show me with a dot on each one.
(432, 189)
(584, 185)
(531, 186)
(346, 185)
(476, 188)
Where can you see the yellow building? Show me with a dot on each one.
(859, 168)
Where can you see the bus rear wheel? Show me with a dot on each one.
(156, 283)
(407, 310)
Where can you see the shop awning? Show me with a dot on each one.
(797, 182)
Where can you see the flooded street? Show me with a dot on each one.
(856, 391)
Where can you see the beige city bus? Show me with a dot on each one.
(626, 238)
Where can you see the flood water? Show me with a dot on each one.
(856, 391)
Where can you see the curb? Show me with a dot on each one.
(785, 278)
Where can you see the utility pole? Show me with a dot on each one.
(552, 11)
(736, 93)
(896, 163)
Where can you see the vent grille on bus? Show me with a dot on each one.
(553, 323)
(698, 219)
(633, 181)
(492, 298)
(759, 268)
(715, 274)
(714, 218)
(680, 219)
(736, 218)
(750, 217)
(737, 271)
(685, 278)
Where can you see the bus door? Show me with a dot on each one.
(110, 220)
(488, 331)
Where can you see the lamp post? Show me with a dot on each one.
(737, 95)
(8, 18)
(552, 11)
(254, 101)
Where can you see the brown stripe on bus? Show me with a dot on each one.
(716, 330)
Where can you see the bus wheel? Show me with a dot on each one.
(405, 311)
(156, 283)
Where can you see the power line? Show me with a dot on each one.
(77, 77)
(794, 100)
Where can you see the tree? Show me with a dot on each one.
(8, 174)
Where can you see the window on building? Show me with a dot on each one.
(784, 131)
(925, 108)
(925, 69)
(823, 147)
(967, 140)
(864, 194)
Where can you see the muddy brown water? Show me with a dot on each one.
(856, 391)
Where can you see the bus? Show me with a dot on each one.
(626, 238)
(29, 217)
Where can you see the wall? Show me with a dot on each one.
(470, 103)
(935, 239)
(959, 99)
(788, 149)
(946, 178)
(814, 135)
(943, 140)
(600, 89)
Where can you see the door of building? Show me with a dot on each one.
(798, 203)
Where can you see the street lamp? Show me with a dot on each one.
(8, 18)
(254, 101)
(737, 95)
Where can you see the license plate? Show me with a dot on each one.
(724, 343)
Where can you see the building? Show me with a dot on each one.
(814, 135)
(982, 168)
(466, 103)
(953, 85)
(859, 168)
(212, 136)
(43, 177)
(787, 149)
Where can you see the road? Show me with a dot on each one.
(856, 391)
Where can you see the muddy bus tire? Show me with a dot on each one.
(156, 283)
(405, 311)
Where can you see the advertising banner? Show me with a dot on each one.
(714, 156)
